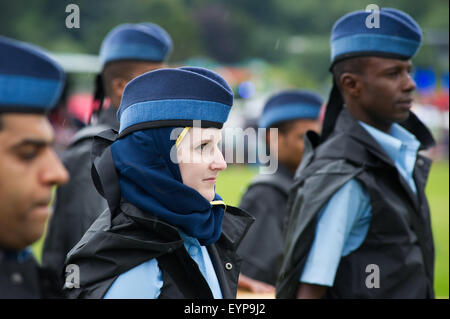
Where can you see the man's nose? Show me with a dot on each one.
(409, 84)
(54, 172)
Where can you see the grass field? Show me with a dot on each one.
(232, 183)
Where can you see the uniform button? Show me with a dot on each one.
(228, 266)
(420, 162)
(16, 278)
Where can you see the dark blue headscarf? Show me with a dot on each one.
(152, 182)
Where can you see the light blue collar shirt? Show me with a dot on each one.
(401, 146)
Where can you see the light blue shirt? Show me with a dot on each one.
(145, 280)
(344, 220)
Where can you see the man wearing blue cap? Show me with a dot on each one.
(292, 113)
(127, 51)
(166, 233)
(30, 85)
(360, 223)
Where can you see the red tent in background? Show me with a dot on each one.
(80, 106)
(439, 99)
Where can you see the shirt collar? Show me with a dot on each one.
(392, 143)
(188, 240)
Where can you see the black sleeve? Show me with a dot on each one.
(262, 247)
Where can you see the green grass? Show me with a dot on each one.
(232, 183)
(437, 193)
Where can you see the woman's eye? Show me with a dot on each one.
(202, 146)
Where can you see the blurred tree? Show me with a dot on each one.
(291, 34)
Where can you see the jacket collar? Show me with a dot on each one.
(235, 224)
(347, 125)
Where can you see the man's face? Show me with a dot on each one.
(28, 169)
(290, 143)
(200, 160)
(386, 91)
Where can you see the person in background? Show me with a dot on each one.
(292, 113)
(359, 219)
(127, 51)
(30, 85)
(166, 234)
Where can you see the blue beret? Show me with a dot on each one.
(398, 36)
(290, 105)
(144, 41)
(30, 81)
(174, 97)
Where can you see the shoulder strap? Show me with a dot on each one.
(103, 171)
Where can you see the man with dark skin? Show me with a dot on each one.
(129, 50)
(292, 113)
(378, 92)
(359, 223)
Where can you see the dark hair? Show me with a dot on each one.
(356, 65)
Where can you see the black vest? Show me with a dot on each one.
(399, 241)
(118, 242)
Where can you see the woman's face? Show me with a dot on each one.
(200, 159)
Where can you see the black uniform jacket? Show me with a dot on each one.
(399, 239)
(262, 248)
(114, 245)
